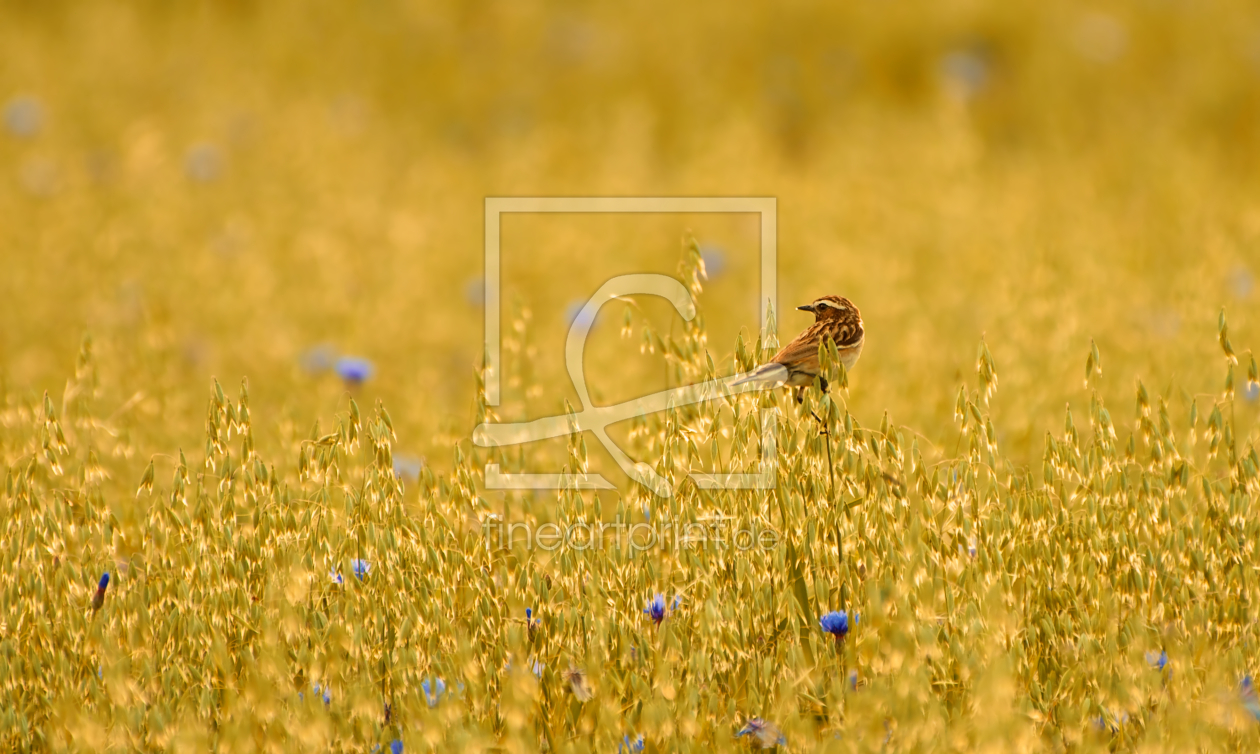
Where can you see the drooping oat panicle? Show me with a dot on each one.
(1223, 338)
(986, 370)
(1093, 364)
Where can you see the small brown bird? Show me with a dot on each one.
(796, 364)
(578, 684)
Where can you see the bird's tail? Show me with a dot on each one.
(771, 374)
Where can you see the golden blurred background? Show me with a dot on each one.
(255, 188)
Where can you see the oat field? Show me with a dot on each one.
(241, 363)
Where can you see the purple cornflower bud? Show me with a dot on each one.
(98, 599)
(656, 609)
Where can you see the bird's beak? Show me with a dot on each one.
(806, 308)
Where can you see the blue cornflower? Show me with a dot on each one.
(317, 690)
(1157, 661)
(23, 116)
(766, 734)
(98, 599)
(536, 667)
(656, 609)
(1242, 281)
(395, 747)
(203, 163)
(360, 567)
(966, 71)
(630, 746)
(1109, 723)
(576, 314)
(1251, 391)
(677, 601)
(408, 467)
(532, 623)
(836, 623)
(318, 358)
(433, 693)
(1250, 700)
(354, 370)
(714, 261)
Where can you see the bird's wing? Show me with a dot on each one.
(768, 373)
(801, 355)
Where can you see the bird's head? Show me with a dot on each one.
(832, 307)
